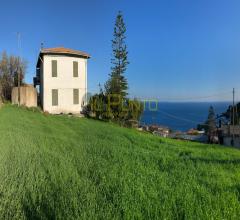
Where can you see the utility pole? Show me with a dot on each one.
(233, 118)
(19, 66)
(236, 110)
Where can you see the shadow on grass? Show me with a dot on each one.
(236, 188)
(37, 210)
(187, 155)
(216, 161)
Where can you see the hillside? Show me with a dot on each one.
(69, 168)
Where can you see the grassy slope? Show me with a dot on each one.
(69, 168)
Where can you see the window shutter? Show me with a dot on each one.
(75, 96)
(54, 68)
(54, 97)
(75, 69)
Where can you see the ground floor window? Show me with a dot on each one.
(54, 97)
(75, 96)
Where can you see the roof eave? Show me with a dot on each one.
(41, 54)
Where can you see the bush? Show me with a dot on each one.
(34, 109)
(114, 108)
(46, 113)
(86, 111)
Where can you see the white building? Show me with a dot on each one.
(62, 78)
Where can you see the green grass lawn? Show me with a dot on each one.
(56, 167)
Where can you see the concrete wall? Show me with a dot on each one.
(28, 96)
(230, 129)
(65, 83)
(227, 141)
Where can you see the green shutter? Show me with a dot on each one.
(54, 68)
(75, 96)
(75, 69)
(54, 97)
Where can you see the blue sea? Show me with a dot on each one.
(180, 116)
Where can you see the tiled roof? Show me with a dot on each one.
(62, 50)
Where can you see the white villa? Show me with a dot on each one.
(61, 75)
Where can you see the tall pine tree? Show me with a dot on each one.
(113, 104)
(117, 83)
(211, 121)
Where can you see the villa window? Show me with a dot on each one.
(54, 68)
(75, 69)
(75, 96)
(54, 97)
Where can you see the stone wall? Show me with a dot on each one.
(28, 96)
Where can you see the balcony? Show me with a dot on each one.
(36, 81)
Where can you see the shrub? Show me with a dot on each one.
(46, 113)
(34, 109)
(126, 112)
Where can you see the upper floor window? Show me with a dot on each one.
(75, 69)
(54, 68)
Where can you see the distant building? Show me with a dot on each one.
(159, 130)
(191, 135)
(61, 75)
(193, 131)
(161, 133)
(229, 135)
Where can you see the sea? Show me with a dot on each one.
(179, 116)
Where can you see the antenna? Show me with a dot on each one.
(19, 67)
(233, 112)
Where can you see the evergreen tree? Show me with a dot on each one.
(117, 83)
(211, 121)
(113, 104)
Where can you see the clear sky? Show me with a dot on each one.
(177, 48)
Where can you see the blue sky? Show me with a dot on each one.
(178, 49)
